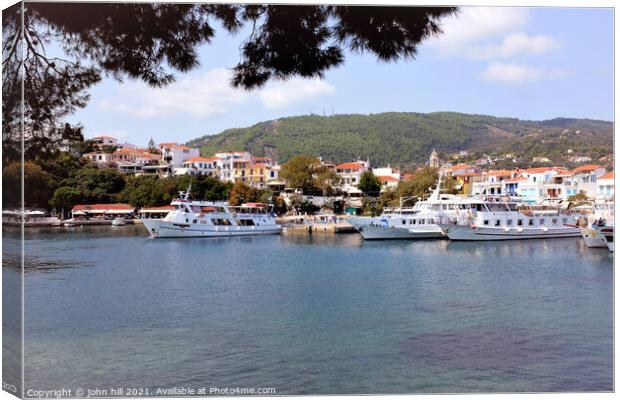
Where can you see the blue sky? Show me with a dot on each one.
(529, 63)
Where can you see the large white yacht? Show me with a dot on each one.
(417, 222)
(501, 219)
(192, 218)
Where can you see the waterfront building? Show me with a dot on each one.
(102, 211)
(463, 175)
(175, 154)
(540, 183)
(490, 182)
(201, 166)
(540, 160)
(605, 186)
(583, 179)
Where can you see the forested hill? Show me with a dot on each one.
(400, 138)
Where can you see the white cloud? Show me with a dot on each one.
(512, 73)
(490, 33)
(209, 94)
(283, 93)
(513, 45)
(473, 24)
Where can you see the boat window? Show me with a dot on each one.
(509, 222)
(520, 222)
(413, 221)
(245, 222)
(195, 221)
(486, 222)
(497, 222)
(431, 221)
(530, 222)
(542, 221)
(563, 220)
(554, 220)
(421, 222)
(404, 222)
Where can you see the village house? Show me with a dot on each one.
(100, 141)
(98, 157)
(605, 186)
(388, 176)
(463, 175)
(102, 211)
(175, 155)
(350, 174)
(490, 182)
(583, 179)
(201, 166)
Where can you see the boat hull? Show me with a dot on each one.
(467, 233)
(163, 229)
(371, 232)
(593, 238)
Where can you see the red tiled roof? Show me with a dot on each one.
(387, 178)
(498, 172)
(585, 168)
(517, 179)
(169, 144)
(199, 159)
(458, 166)
(351, 165)
(259, 165)
(609, 175)
(114, 206)
(104, 137)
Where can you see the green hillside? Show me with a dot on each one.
(401, 138)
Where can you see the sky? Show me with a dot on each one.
(528, 63)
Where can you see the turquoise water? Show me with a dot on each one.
(109, 307)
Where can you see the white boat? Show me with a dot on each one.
(608, 234)
(417, 222)
(212, 219)
(601, 215)
(508, 220)
(119, 221)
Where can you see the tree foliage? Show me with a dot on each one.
(369, 184)
(153, 41)
(404, 138)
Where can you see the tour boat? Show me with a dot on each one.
(608, 234)
(417, 222)
(602, 216)
(497, 219)
(192, 218)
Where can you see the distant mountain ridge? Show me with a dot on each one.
(401, 138)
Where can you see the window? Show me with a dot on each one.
(520, 222)
(542, 221)
(509, 222)
(530, 222)
(404, 222)
(486, 222)
(554, 220)
(497, 222)
(563, 220)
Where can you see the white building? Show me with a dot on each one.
(175, 154)
(98, 156)
(541, 183)
(202, 166)
(101, 141)
(583, 179)
(350, 174)
(226, 162)
(605, 186)
(433, 161)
